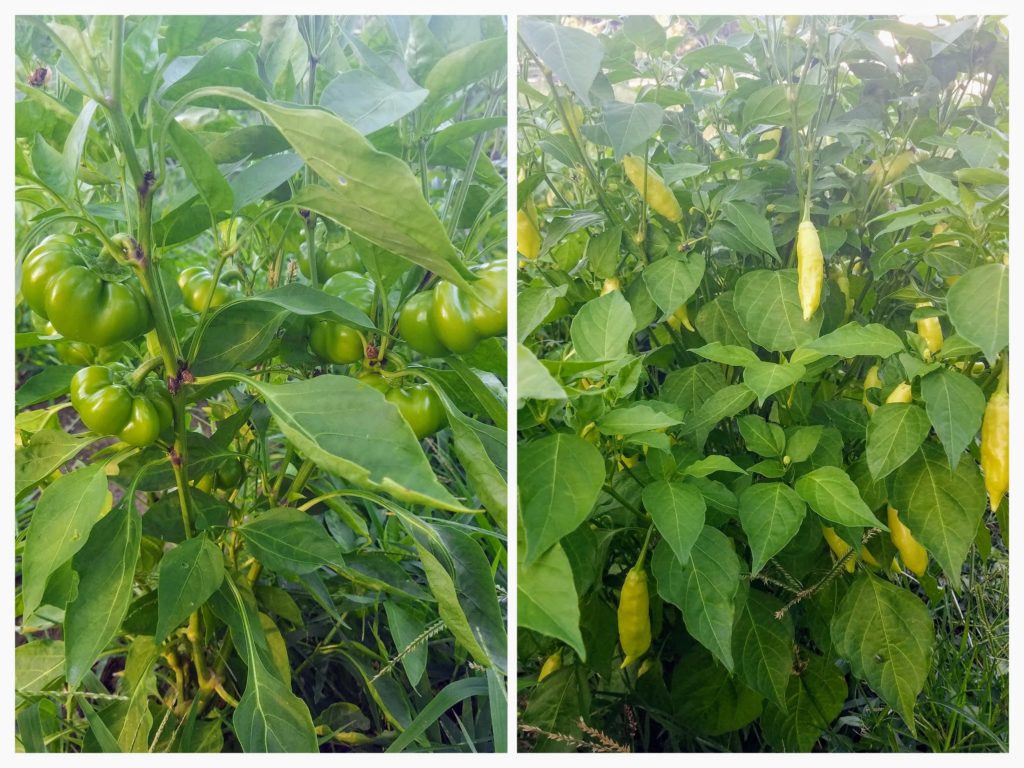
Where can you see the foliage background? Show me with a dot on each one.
(729, 436)
(332, 590)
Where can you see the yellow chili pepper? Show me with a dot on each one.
(552, 664)
(902, 394)
(527, 236)
(915, 557)
(680, 319)
(810, 268)
(775, 134)
(839, 547)
(930, 329)
(634, 616)
(871, 381)
(655, 192)
(790, 25)
(995, 442)
(611, 284)
(888, 169)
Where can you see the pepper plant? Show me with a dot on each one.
(251, 513)
(762, 377)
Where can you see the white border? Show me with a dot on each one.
(509, 9)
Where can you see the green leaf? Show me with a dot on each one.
(887, 635)
(38, 664)
(716, 55)
(644, 32)
(106, 569)
(473, 580)
(704, 589)
(894, 434)
(450, 696)
(367, 103)
(131, 716)
(769, 308)
(708, 699)
(752, 226)
(74, 145)
(689, 387)
(466, 66)
(765, 379)
(722, 404)
(762, 437)
(243, 330)
(853, 339)
(602, 328)
(719, 321)
(269, 717)
(814, 698)
(573, 55)
(444, 586)
(634, 418)
(771, 514)
(672, 281)
(630, 125)
(289, 541)
(979, 308)
(326, 419)
(941, 506)
(942, 186)
(762, 646)
(373, 193)
(189, 574)
(727, 354)
(548, 602)
(64, 515)
(955, 406)
(46, 452)
(677, 510)
(711, 464)
(565, 477)
(831, 493)
(771, 106)
(200, 169)
(535, 383)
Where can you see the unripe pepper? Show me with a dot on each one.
(135, 414)
(527, 236)
(901, 394)
(871, 381)
(634, 616)
(197, 285)
(995, 442)
(810, 265)
(915, 557)
(790, 25)
(60, 286)
(930, 329)
(655, 192)
(552, 664)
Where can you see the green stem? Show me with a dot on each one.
(144, 370)
(643, 549)
(305, 470)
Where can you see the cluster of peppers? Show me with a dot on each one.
(94, 313)
(435, 323)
